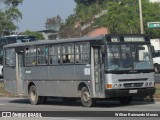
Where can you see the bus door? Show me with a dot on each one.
(19, 72)
(97, 70)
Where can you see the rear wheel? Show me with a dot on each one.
(125, 100)
(86, 99)
(33, 95)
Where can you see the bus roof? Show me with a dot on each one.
(142, 37)
(41, 42)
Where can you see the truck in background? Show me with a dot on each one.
(156, 54)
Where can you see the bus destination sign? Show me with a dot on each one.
(133, 39)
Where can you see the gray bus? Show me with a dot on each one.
(88, 68)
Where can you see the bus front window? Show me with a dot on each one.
(128, 57)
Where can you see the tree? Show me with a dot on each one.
(89, 2)
(53, 23)
(38, 35)
(9, 13)
(67, 31)
(123, 17)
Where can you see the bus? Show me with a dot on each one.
(9, 40)
(87, 68)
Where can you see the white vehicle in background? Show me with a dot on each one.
(156, 61)
(1, 70)
(156, 54)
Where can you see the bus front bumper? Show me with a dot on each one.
(139, 92)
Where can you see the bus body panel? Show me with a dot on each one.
(63, 81)
(123, 84)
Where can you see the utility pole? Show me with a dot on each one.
(141, 17)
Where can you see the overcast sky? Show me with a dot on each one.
(35, 12)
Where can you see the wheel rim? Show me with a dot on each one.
(86, 97)
(156, 69)
(33, 95)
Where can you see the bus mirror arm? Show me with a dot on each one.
(152, 49)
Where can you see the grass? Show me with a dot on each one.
(4, 93)
(157, 94)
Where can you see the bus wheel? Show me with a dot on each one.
(86, 100)
(156, 68)
(34, 98)
(125, 100)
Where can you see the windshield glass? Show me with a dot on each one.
(127, 57)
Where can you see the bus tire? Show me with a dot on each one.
(86, 100)
(125, 100)
(33, 95)
(156, 68)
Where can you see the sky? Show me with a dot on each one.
(35, 12)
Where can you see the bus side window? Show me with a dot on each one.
(54, 54)
(82, 50)
(10, 57)
(42, 55)
(68, 53)
(30, 56)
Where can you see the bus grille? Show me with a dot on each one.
(133, 84)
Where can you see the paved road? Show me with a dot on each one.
(23, 104)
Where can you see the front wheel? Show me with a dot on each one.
(86, 99)
(33, 96)
(156, 68)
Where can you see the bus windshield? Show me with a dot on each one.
(128, 57)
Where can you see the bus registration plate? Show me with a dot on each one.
(133, 91)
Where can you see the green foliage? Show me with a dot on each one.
(9, 13)
(53, 23)
(38, 35)
(89, 2)
(122, 16)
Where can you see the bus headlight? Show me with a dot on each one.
(115, 85)
(150, 83)
(146, 84)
